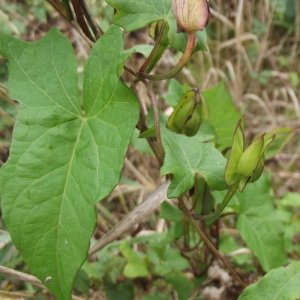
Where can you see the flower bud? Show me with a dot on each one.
(258, 170)
(191, 15)
(187, 115)
(250, 158)
(238, 144)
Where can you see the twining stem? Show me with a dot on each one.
(207, 241)
(156, 52)
(181, 63)
(153, 99)
(231, 191)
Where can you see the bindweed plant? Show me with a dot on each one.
(69, 145)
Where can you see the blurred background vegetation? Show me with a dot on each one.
(253, 46)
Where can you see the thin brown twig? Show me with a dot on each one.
(208, 242)
(16, 295)
(153, 99)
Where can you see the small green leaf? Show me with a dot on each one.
(223, 115)
(149, 133)
(170, 212)
(175, 92)
(137, 265)
(278, 284)
(67, 153)
(181, 284)
(170, 260)
(282, 137)
(186, 156)
(259, 224)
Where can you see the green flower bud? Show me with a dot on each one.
(186, 117)
(191, 15)
(192, 125)
(258, 170)
(238, 144)
(250, 158)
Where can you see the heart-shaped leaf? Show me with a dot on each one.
(66, 153)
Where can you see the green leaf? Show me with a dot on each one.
(66, 153)
(170, 260)
(170, 212)
(181, 284)
(186, 156)
(223, 116)
(137, 265)
(136, 14)
(175, 92)
(282, 137)
(156, 296)
(279, 284)
(259, 224)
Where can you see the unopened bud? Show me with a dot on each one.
(257, 172)
(238, 144)
(191, 15)
(250, 158)
(186, 117)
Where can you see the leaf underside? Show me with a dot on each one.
(67, 152)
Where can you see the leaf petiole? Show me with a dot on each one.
(231, 191)
(181, 63)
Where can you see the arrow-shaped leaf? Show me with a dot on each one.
(66, 154)
(185, 157)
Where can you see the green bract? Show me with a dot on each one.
(250, 158)
(246, 165)
(231, 175)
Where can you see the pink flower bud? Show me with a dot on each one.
(191, 15)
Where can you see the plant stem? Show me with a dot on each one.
(181, 63)
(156, 52)
(68, 10)
(231, 191)
(207, 241)
(153, 99)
